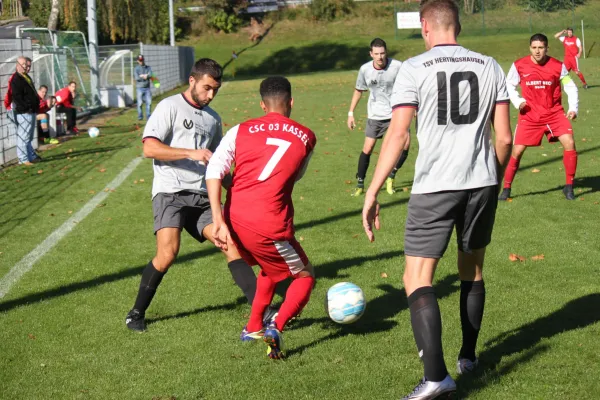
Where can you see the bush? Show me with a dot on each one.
(551, 5)
(328, 10)
(219, 20)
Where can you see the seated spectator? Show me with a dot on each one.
(65, 98)
(42, 116)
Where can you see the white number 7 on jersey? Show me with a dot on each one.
(282, 146)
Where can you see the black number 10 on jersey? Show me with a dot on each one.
(455, 79)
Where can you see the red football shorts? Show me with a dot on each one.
(530, 133)
(571, 63)
(278, 259)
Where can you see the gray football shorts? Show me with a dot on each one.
(432, 217)
(376, 128)
(183, 210)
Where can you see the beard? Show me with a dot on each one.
(196, 98)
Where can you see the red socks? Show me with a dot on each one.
(265, 289)
(580, 75)
(511, 171)
(296, 298)
(570, 163)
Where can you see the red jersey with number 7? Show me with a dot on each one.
(270, 154)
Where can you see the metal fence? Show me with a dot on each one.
(62, 59)
(10, 50)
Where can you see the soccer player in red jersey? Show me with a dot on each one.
(573, 50)
(270, 154)
(540, 109)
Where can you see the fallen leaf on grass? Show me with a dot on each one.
(535, 170)
(26, 171)
(538, 257)
(102, 170)
(384, 275)
(40, 171)
(30, 336)
(348, 182)
(135, 182)
(101, 205)
(509, 199)
(106, 190)
(330, 209)
(515, 257)
(355, 236)
(91, 192)
(142, 180)
(108, 219)
(70, 212)
(301, 238)
(405, 189)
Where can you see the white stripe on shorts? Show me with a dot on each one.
(289, 255)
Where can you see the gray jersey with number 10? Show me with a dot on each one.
(455, 91)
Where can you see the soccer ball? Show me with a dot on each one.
(345, 303)
(93, 132)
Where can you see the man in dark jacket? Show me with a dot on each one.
(26, 105)
(143, 76)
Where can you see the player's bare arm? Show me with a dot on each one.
(559, 34)
(353, 103)
(503, 137)
(154, 148)
(393, 143)
(220, 232)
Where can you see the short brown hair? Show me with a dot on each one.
(207, 66)
(443, 12)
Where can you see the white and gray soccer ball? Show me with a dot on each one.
(345, 303)
(93, 132)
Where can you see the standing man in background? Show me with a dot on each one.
(573, 50)
(143, 73)
(25, 106)
(378, 77)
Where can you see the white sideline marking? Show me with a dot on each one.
(27, 262)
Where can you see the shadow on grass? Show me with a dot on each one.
(258, 41)
(35, 190)
(315, 57)
(524, 341)
(377, 315)
(94, 282)
(588, 185)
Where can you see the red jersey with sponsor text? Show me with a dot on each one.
(540, 87)
(270, 151)
(570, 43)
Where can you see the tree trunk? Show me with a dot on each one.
(53, 19)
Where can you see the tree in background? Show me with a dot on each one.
(119, 21)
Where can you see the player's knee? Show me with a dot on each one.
(164, 259)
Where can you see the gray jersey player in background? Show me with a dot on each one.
(378, 77)
(459, 95)
(181, 136)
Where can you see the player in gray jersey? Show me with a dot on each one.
(459, 95)
(180, 136)
(378, 78)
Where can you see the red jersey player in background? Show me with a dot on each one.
(540, 109)
(270, 154)
(573, 50)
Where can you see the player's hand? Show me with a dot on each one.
(524, 107)
(201, 155)
(351, 123)
(571, 115)
(370, 216)
(220, 232)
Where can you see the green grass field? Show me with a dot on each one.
(62, 330)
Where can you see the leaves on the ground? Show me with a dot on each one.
(538, 257)
(384, 275)
(31, 336)
(515, 257)
(348, 182)
(101, 205)
(535, 170)
(70, 211)
(91, 192)
(40, 171)
(405, 189)
(102, 170)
